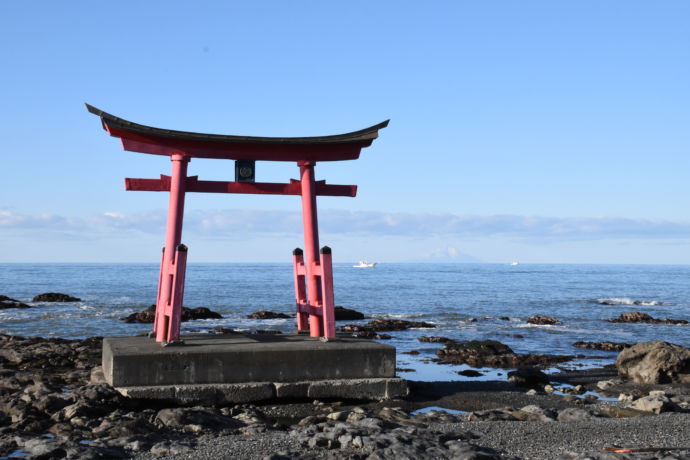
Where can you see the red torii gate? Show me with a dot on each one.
(313, 274)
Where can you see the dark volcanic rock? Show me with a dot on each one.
(602, 346)
(470, 373)
(386, 325)
(146, 316)
(372, 328)
(188, 314)
(528, 376)
(44, 391)
(28, 352)
(542, 319)
(491, 353)
(347, 314)
(8, 302)
(371, 335)
(55, 297)
(265, 314)
(223, 330)
(475, 352)
(435, 339)
(639, 317)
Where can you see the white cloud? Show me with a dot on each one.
(115, 215)
(350, 223)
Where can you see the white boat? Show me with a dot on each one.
(365, 264)
(515, 262)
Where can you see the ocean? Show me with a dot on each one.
(465, 301)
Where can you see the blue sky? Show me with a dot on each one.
(537, 131)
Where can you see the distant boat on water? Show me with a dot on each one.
(515, 262)
(365, 264)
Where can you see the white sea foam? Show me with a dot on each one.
(627, 301)
(550, 327)
(397, 316)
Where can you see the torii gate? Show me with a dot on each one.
(313, 274)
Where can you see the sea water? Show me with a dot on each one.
(464, 301)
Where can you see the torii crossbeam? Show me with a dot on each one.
(313, 274)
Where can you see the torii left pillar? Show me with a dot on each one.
(174, 259)
(317, 306)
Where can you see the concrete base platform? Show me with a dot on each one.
(239, 368)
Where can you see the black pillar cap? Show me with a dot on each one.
(297, 252)
(181, 248)
(325, 250)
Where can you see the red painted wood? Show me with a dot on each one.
(328, 301)
(175, 312)
(300, 291)
(173, 238)
(149, 139)
(134, 142)
(308, 309)
(311, 243)
(193, 184)
(301, 269)
(160, 286)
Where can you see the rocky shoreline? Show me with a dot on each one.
(51, 408)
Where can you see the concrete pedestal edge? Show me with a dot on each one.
(214, 393)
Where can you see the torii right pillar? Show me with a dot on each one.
(313, 268)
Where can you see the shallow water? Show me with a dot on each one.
(428, 409)
(465, 301)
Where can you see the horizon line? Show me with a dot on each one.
(350, 262)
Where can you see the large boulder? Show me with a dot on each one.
(378, 325)
(368, 334)
(8, 302)
(434, 339)
(655, 362)
(542, 319)
(639, 317)
(528, 377)
(347, 314)
(55, 297)
(146, 316)
(265, 314)
(603, 346)
(491, 353)
(188, 314)
(653, 403)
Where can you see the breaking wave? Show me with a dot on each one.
(627, 301)
(397, 316)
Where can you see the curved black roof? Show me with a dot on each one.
(111, 121)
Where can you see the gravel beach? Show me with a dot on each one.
(526, 440)
(50, 408)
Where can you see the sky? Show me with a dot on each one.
(537, 131)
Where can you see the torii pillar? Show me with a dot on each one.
(313, 272)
